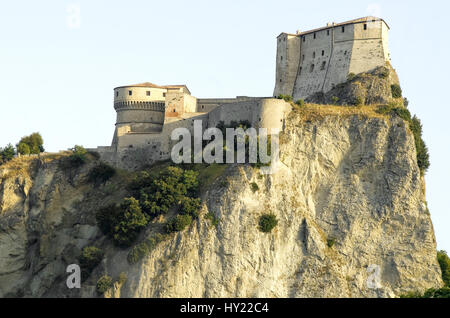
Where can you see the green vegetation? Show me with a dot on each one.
(101, 173)
(77, 158)
(330, 242)
(396, 91)
(214, 220)
(178, 223)
(254, 187)
(287, 98)
(444, 292)
(142, 249)
(359, 101)
(104, 283)
(335, 100)
(122, 223)
(423, 157)
(300, 102)
(90, 257)
(267, 222)
(351, 76)
(7, 154)
(32, 144)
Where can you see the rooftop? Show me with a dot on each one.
(332, 25)
(151, 85)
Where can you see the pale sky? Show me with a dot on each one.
(57, 72)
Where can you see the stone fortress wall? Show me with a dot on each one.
(317, 60)
(308, 62)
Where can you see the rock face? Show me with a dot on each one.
(348, 196)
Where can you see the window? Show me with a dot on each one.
(343, 29)
(164, 94)
(328, 32)
(314, 55)
(281, 58)
(303, 57)
(304, 38)
(280, 80)
(311, 68)
(174, 110)
(365, 26)
(148, 93)
(314, 35)
(323, 65)
(130, 93)
(300, 71)
(117, 94)
(323, 52)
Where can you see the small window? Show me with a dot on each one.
(311, 68)
(314, 35)
(304, 38)
(174, 110)
(314, 55)
(343, 29)
(365, 26)
(148, 93)
(323, 52)
(117, 94)
(164, 94)
(130, 93)
(280, 80)
(203, 106)
(328, 32)
(300, 71)
(323, 65)
(303, 57)
(281, 58)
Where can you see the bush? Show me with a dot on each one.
(423, 157)
(300, 102)
(444, 263)
(330, 242)
(122, 223)
(137, 252)
(267, 222)
(191, 206)
(396, 91)
(350, 76)
(101, 173)
(32, 144)
(178, 223)
(254, 187)
(90, 257)
(7, 153)
(214, 220)
(104, 283)
(287, 98)
(78, 157)
(335, 100)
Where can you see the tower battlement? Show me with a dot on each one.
(319, 59)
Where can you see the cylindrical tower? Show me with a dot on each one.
(140, 108)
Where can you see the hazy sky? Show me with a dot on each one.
(58, 71)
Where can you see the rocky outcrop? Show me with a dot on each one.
(348, 196)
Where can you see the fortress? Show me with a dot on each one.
(306, 63)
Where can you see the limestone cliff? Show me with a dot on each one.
(348, 196)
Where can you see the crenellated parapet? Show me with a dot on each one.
(139, 105)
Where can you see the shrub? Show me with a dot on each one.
(191, 206)
(396, 91)
(359, 101)
(90, 257)
(78, 157)
(101, 173)
(423, 157)
(104, 283)
(122, 223)
(350, 76)
(7, 153)
(444, 263)
(178, 223)
(287, 98)
(34, 144)
(254, 187)
(267, 222)
(214, 220)
(330, 242)
(300, 102)
(335, 100)
(137, 252)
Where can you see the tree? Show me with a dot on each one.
(444, 263)
(34, 142)
(7, 153)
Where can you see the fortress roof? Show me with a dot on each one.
(333, 25)
(151, 85)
